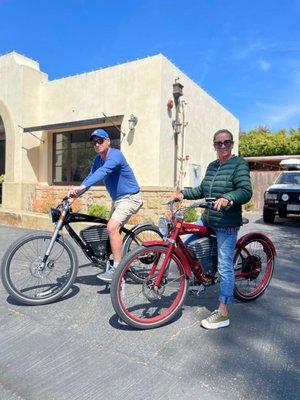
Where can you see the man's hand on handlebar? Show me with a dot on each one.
(75, 192)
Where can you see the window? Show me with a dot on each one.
(73, 154)
(292, 178)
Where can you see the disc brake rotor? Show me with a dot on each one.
(152, 292)
(40, 270)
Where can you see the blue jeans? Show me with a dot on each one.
(226, 240)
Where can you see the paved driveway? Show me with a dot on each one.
(77, 349)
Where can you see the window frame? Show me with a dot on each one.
(113, 132)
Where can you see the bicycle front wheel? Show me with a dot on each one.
(142, 304)
(30, 280)
(253, 267)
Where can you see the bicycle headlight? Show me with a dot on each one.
(54, 214)
(164, 226)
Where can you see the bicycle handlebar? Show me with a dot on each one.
(204, 204)
(208, 203)
(80, 193)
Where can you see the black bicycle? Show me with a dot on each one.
(41, 267)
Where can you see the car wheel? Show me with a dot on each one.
(268, 216)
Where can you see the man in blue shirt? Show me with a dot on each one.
(111, 167)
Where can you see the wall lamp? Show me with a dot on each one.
(133, 120)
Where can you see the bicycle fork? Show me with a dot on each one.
(58, 228)
(163, 268)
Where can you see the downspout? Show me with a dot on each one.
(177, 93)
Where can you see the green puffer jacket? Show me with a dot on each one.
(230, 180)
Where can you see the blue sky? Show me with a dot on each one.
(245, 54)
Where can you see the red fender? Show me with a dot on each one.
(254, 235)
(178, 253)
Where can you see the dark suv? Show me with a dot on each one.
(283, 197)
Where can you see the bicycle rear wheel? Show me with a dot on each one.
(28, 280)
(142, 304)
(143, 233)
(253, 266)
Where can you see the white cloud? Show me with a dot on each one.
(264, 65)
(284, 113)
(279, 113)
(243, 53)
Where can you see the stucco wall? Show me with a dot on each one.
(141, 87)
(20, 81)
(204, 116)
(132, 88)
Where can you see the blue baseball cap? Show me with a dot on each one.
(100, 133)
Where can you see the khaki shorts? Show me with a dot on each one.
(125, 207)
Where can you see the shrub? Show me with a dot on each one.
(248, 206)
(190, 215)
(98, 210)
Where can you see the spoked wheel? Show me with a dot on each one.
(144, 233)
(142, 304)
(30, 280)
(253, 265)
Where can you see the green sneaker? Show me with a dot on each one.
(216, 320)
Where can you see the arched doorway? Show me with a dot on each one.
(2, 155)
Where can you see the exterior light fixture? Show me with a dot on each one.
(177, 90)
(133, 120)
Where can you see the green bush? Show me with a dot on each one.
(261, 141)
(98, 210)
(248, 206)
(190, 215)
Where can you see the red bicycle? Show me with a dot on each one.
(151, 283)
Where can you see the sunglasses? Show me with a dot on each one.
(99, 141)
(226, 143)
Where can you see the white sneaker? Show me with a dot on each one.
(216, 320)
(107, 275)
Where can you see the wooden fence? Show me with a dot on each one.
(260, 181)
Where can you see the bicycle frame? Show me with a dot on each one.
(192, 266)
(176, 245)
(66, 217)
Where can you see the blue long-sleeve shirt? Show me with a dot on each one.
(116, 174)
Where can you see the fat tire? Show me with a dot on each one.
(5, 265)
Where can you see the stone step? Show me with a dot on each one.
(25, 219)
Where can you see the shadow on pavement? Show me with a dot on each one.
(73, 291)
(116, 322)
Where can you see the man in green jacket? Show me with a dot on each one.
(228, 180)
